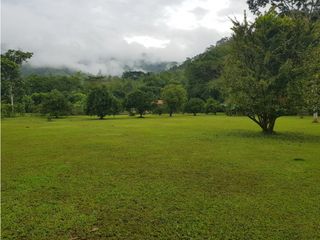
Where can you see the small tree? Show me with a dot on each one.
(99, 102)
(194, 106)
(174, 96)
(11, 83)
(211, 106)
(138, 100)
(78, 101)
(56, 104)
(116, 106)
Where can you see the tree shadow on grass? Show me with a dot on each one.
(126, 117)
(297, 137)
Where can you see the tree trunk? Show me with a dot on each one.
(266, 122)
(315, 117)
(11, 99)
(194, 114)
(170, 114)
(101, 117)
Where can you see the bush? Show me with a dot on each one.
(212, 106)
(194, 105)
(56, 104)
(6, 110)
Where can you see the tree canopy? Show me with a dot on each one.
(261, 73)
(99, 102)
(174, 96)
(140, 101)
(307, 7)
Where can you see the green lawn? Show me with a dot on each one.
(204, 177)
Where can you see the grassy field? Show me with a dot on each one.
(204, 177)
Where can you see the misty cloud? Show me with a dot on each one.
(108, 35)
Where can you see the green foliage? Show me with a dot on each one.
(11, 83)
(55, 104)
(306, 7)
(203, 70)
(78, 101)
(194, 105)
(38, 83)
(6, 110)
(212, 106)
(261, 73)
(139, 101)
(311, 70)
(116, 106)
(133, 75)
(174, 97)
(28, 104)
(99, 102)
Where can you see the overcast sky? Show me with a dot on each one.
(106, 35)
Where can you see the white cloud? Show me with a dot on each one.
(107, 35)
(147, 41)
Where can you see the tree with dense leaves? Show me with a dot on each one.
(56, 104)
(11, 82)
(116, 106)
(309, 8)
(140, 101)
(211, 106)
(99, 102)
(203, 70)
(311, 79)
(194, 106)
(261, 73)
(174, 97)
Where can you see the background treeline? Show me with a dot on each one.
(195, 79)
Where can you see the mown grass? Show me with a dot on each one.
(204, 177)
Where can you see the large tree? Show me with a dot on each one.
(311, 79)
(309, 8)
(11, 82)
(174, 97)
(99, 102)
(261, 74)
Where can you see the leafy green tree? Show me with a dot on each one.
(261, 73)
(307, 7)
(203, 70)
(140, 101)
(11, 83)
(211, 106)
(311, 68)
(28, 104)
(116, 106)
(78, 101)
(194, 106)
(99, 102)
(174, 97)
(56, 104)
